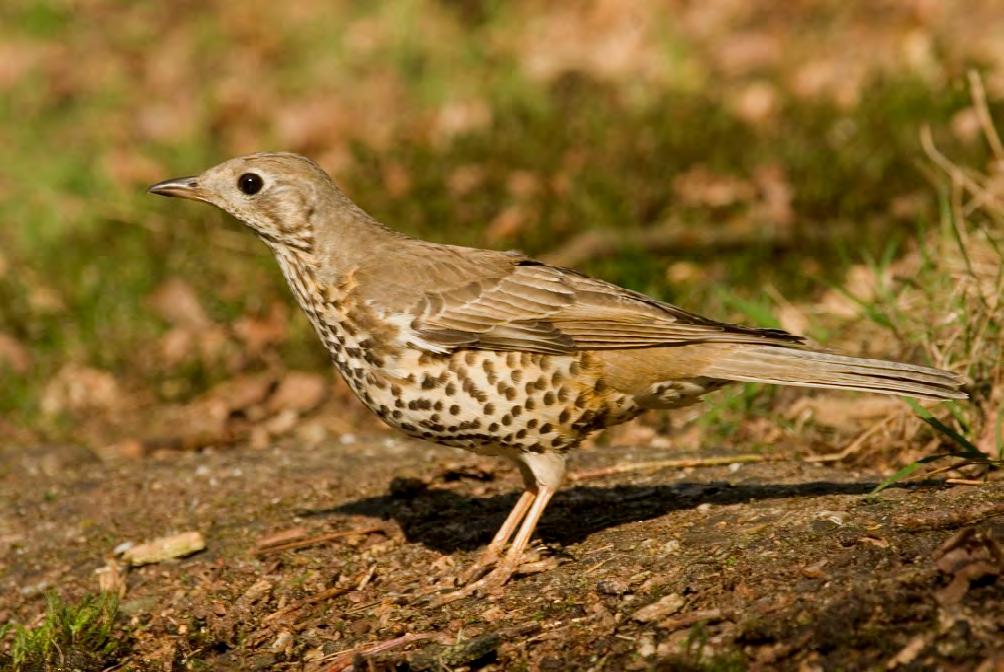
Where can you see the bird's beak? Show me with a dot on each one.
(182, 187)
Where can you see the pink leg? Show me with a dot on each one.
(493, 552)
(504, 570)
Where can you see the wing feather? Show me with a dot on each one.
(528, 306)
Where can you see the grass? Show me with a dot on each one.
(77, 636)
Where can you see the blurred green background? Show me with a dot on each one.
(721, 154)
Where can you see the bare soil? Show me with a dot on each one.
(776, 565)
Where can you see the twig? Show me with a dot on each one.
(979, 96)
(343, 660)
(854, 445)
(669, 464)
(963, 481)
(313, 599)
(313, 541)
(943, 162)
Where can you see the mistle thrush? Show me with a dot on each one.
(498, 353)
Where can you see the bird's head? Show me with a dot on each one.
(278, 195)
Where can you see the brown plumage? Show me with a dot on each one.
(496, 352)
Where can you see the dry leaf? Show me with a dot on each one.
(165, 548)
(13, 355)
(298, 391)
(261, 333)
(78, 388)
(176, 303)
(670, 604)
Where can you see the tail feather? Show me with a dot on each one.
(809, 368)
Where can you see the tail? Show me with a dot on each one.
(809, 368)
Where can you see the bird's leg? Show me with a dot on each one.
(504, 570)
(493, 552)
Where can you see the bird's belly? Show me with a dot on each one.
(482, 399)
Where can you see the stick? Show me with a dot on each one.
(343, 660)
(312, 541)
(669, 464)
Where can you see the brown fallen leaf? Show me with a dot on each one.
(165, 548)
(967, 556)
(240, 393)
(176, 303)
(111, 579)
(298, 391)
(78, 388)
(259, 333)
(13, 355)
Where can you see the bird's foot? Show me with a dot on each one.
(489, 584)
(488, 559)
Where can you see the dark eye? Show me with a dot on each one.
(250, 183)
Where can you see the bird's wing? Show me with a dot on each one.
(529, 306)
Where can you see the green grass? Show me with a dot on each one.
(77, 636)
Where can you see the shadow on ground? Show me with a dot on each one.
(430, 515)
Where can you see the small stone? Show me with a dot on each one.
(670, 604)
(646, 646)
(612, 586)
(175, 546)
(122, 548)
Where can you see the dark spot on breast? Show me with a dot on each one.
(438, 406)
(494, 427)
(507, 420)
(549, 398)
(451, 388)
(600, 385)
(530, 404)
(531, 423)
(470, 357)
(565, 415)
(563, 394)
(489, 409)
(428, 382)
(574, 368)
(455, 409)
(521, 434)
(546, 428)
(516, 411)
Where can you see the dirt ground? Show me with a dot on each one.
(323, 557)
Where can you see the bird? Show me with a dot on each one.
(496, 352)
